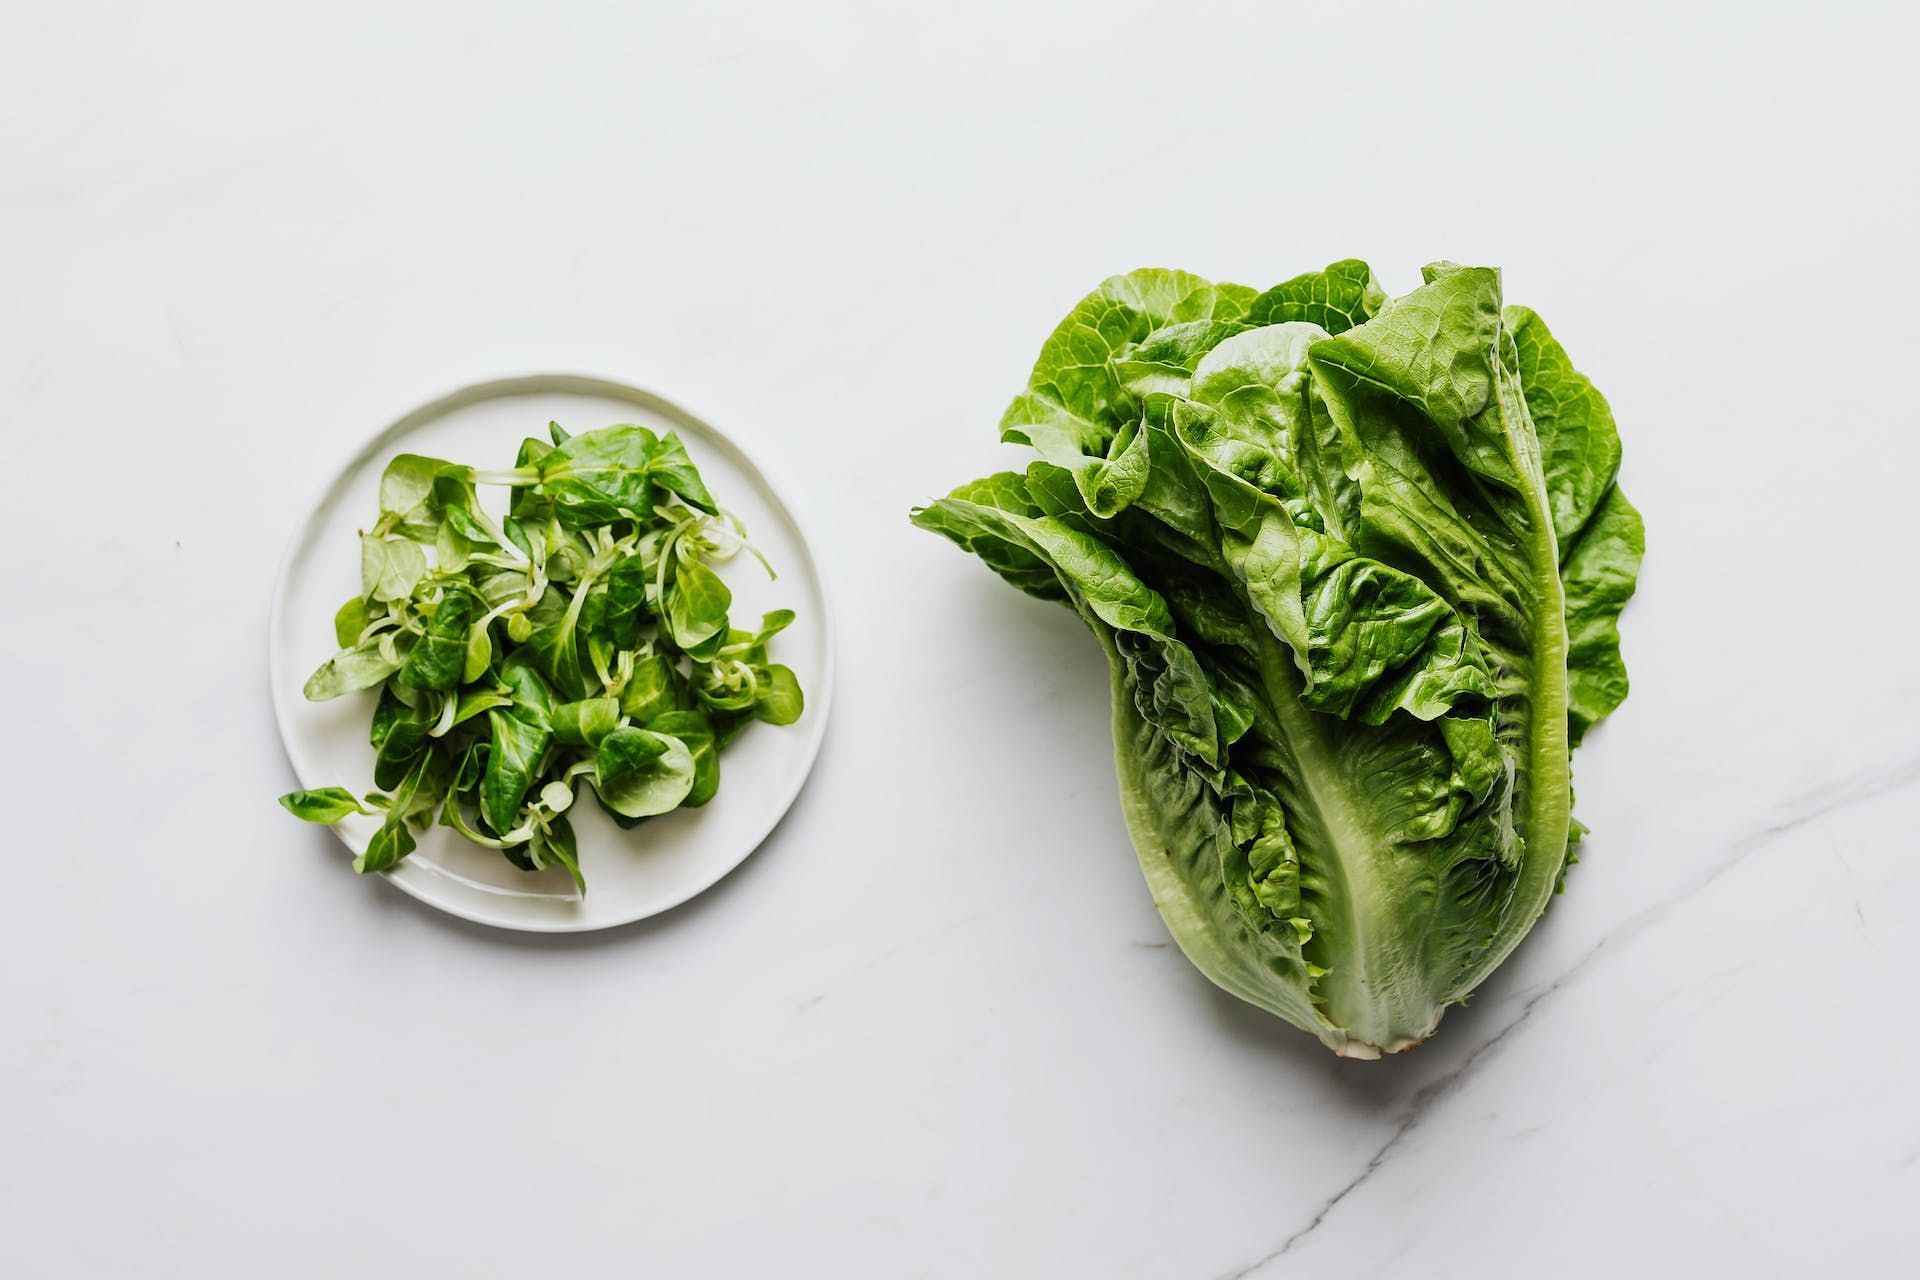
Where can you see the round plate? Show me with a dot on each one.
(629, 874)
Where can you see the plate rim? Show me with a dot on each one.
(819, 703)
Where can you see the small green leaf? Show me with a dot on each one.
(674, 471)
(438, 659)
(407, 484)
(516, 530)
(626, 605)
(655, 687)
(554, 649)
(771, 624)
(353, 618)
(697, 605)
(640, 773)
(462, 522)
(398, 734)
(473, 766)
(474, 701)
(752, 645)
(479, 653)
(517, 746)
(327, 805)
(390, 843)
(584, 722)
(600, 477)
(393, 841)
(557, 842)
(696, 730)
(390, 567)
(779, 700)
(453, 551)
(350, 670)
(531, 698)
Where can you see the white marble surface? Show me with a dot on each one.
(933, 1028)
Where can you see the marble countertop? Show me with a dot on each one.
(934, 1027)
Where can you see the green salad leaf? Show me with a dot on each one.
(582, 637)
(1357, 566)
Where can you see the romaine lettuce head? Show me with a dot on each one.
(1356, 565)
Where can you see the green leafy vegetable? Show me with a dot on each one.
(439, 659)
(584, 634)
(640, 773)
(326, 805)
(584, 723)
(777, 698)
(695, 731)
(398, 734)
(1357, 566)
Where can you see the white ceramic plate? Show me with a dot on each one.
(629, 874)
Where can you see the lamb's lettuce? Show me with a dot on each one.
(1356, 565)
(582, 638)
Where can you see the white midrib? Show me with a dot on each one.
(1355, 985)
(1548, 781)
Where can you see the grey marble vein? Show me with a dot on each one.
(1805, 811)
(1421, 1106)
